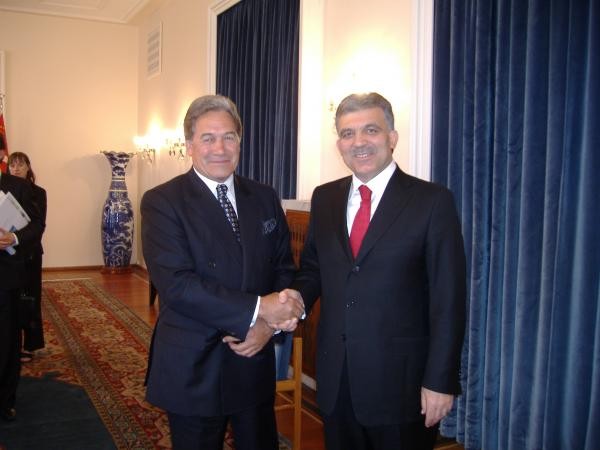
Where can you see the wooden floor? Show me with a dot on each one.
(132, 289)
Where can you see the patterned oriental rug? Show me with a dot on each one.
(96, 342)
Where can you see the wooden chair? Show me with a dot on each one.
(298, 225)
(293, 385)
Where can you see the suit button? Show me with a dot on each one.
(212, 264)
(356, 269)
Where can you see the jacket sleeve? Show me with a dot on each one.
(446, 274)
(308, 277)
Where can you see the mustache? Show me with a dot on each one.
(367, 149)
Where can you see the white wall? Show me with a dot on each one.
(71, 88)
(366, 48)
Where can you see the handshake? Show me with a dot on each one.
(277, 311)
(282, 310)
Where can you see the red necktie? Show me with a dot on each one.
(361, 220)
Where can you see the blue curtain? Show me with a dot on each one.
(257, 67)
(516, 136)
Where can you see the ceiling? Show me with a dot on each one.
(116, 11)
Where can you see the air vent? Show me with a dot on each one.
(154, 52)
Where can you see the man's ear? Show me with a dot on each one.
(393, 139)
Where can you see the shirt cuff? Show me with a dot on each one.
(255, 316)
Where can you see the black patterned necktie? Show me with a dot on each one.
(229, 211)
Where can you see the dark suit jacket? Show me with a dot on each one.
(12, 266)
(397, 312)
(208, 287)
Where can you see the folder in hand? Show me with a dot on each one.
(12, 215)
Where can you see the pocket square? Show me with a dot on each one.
(269, 226)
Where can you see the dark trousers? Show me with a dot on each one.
(344, 432)
(253, 429)
(10, 365)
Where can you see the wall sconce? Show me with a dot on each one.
(149, 145)
(148, 154)
(145, 149)
(177, 148)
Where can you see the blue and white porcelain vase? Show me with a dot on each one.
(117, 217)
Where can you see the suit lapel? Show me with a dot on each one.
(204, 209)
(251, 214)
(247, 213)
(339, 205)
(395, 197)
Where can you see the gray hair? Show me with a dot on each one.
(358, 102)
(205, 104)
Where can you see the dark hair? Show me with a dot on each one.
(23, 158)
(358, 102)
(205, 104)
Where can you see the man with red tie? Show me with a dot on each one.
(385, 254)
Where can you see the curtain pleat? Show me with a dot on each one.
(257, 67)
(516, 137)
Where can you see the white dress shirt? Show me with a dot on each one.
(212, 186)
(377, 186)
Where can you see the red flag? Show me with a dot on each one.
(3, 145)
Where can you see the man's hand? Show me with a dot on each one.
(435, 406)
(289, 325)
(256, 339)
(6, 239)
(282, 310)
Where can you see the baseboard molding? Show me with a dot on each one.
(134, 267)
(308, 381)
(74, 268)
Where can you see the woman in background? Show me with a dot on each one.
(33, 333)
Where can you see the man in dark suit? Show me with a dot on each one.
(217, 250)
(13, 276)
(385, 254)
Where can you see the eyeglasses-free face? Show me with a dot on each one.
(215, 146)
(18, 168)
(366, 142)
